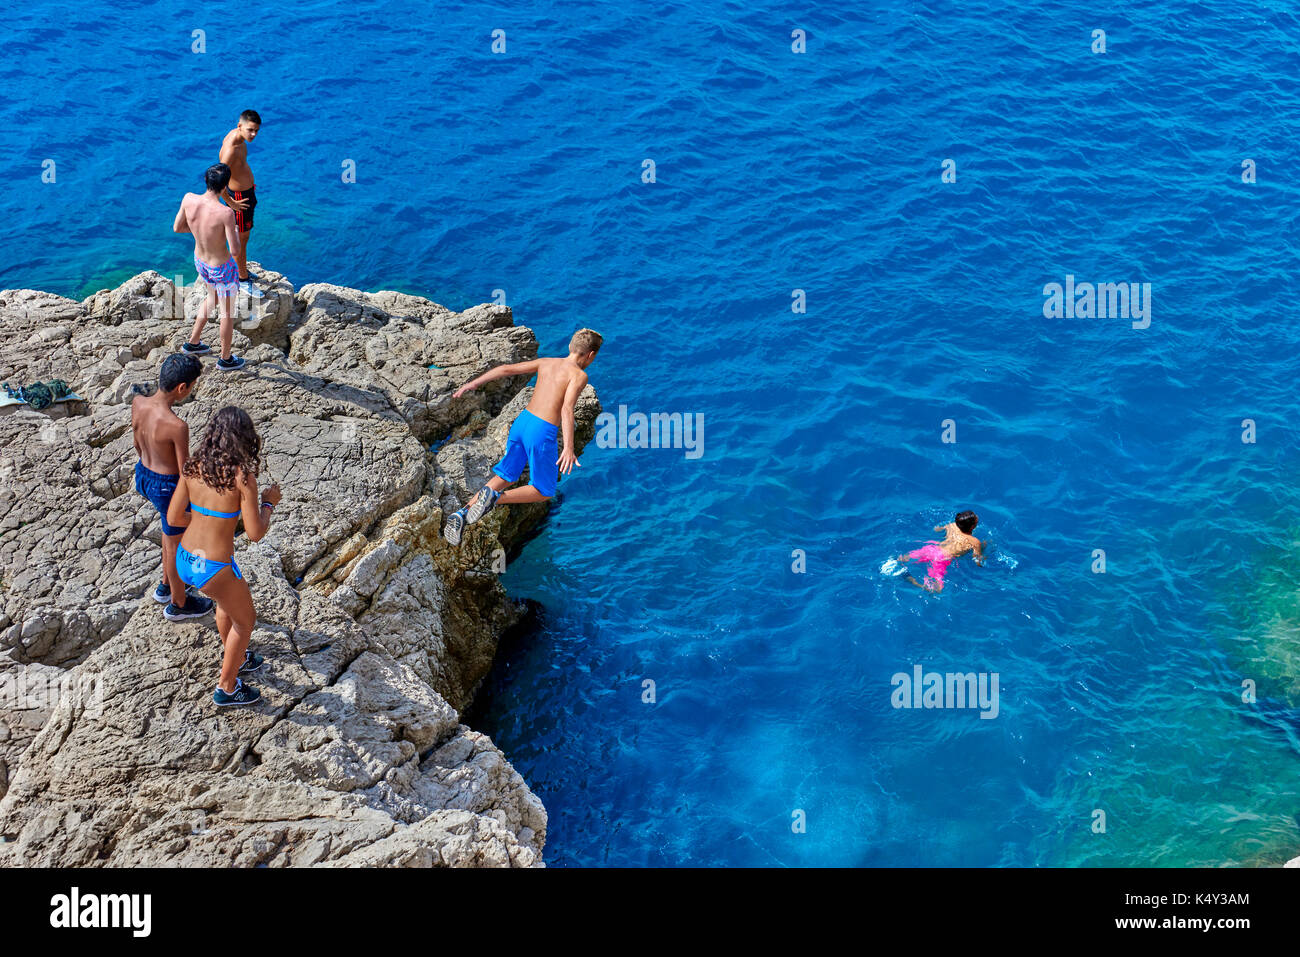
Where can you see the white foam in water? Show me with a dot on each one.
(892, 567)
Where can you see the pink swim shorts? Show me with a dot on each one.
(938, 559)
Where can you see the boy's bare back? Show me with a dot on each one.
(956, 542)
(160, 436)
(556, 380)
(213, 226)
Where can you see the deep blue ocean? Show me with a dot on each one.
(772, 739)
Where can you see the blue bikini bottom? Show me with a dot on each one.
(198, 571)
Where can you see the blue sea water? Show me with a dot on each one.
(1120, 692)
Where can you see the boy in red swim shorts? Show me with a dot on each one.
(957, 541)
(241, 194)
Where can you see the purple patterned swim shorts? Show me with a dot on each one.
(223, 279)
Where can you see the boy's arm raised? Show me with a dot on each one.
(511, 369)
(568, 459)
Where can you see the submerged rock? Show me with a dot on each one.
(376, 632)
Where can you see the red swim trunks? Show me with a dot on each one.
(244, 217)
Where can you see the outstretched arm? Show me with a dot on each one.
(500, 372)
(979, 552)
(568, 459)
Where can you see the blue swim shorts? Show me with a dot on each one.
(536, 443)
(157, 488)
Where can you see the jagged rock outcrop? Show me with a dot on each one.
(375, 631)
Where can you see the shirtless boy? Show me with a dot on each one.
(241, 195)
(163, 441)
(957, 541)
(215, 245)
(532, 439)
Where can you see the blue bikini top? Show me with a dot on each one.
(207, 511)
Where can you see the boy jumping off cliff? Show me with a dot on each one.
(957, 541)
(162, 440)
(533, 435)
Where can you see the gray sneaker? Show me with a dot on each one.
(455, 525)
(481, 504)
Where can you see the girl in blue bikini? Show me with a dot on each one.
(218, 485)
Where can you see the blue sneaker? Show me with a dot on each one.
(231, 364)
(252, 662)
(243, 694)
(196, 606)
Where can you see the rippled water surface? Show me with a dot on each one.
(776, 171)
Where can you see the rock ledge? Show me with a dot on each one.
(375, 631)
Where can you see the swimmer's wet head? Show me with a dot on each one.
(966, 521)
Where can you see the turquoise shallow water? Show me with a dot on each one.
(819, 172)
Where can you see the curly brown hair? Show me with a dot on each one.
(229, 443)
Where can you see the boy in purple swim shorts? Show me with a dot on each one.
(957, 541)
(216, 241)
(534, 437)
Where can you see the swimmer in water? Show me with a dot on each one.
(957, 541)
